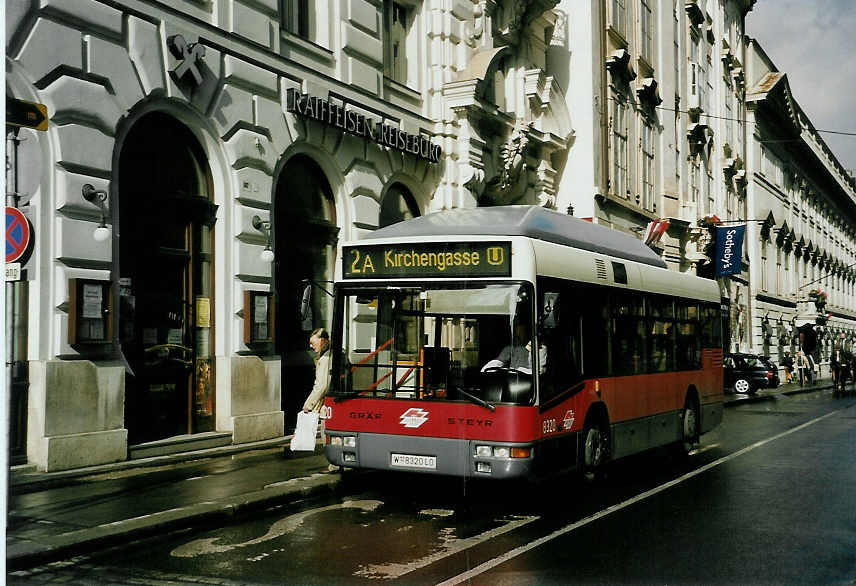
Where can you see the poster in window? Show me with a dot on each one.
(260, 312)
(203, 312)
(175, 336)
(92, 300)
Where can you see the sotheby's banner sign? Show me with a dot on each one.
(729, 249)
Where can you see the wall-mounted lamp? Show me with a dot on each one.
(98, 197)
(264, 227)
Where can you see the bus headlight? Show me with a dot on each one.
(335, 440)
(484, 451)
(350, 441)
(504, 452)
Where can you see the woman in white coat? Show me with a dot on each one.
(319, 341)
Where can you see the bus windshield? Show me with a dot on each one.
(465, 342)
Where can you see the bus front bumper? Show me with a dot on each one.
(442, 456)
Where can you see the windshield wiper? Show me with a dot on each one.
(476, 400)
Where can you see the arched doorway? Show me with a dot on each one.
(398, 204)
(305, 233)
(166, 269)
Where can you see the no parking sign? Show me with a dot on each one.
(18, 236)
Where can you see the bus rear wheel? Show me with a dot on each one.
(595, 449)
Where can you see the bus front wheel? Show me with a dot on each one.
(595, 449)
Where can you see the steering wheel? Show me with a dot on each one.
(504, 369)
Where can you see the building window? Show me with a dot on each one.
(400, 48)
(764, 266)
(619, 148)
(618, 17)
(711, 195)
(779, 273)
(695, 171)
(787, 285)
(771, 167)
(729, 122)
(647, 166)
(740, 116)
(307, 19)
(677, 52)
(646, 22)
(694, 68)
(703, 94)
(295, 17)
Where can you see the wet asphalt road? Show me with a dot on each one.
(770, 497)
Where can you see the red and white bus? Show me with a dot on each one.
(507, 341)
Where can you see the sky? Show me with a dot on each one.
(814, 43)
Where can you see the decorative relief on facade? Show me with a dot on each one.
(510, 22)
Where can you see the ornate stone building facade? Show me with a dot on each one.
(202, 160)
(802, 256)
(660, 134)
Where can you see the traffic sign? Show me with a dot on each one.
(18, 235)
(26, 114)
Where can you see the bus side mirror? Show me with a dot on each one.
(306, 308)
(550, 311)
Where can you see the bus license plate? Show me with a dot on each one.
(409, 461)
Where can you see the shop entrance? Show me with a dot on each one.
(166, 267)
(305, 235)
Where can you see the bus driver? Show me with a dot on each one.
(518, 354)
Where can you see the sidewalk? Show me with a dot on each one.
(52, 516)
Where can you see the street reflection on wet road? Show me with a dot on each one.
(282, 527)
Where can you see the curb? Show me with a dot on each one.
(23, 482)
(27, 554)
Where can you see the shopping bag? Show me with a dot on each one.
(304, 434)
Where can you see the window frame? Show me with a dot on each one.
(619, 142)
(308, 20)
(646, 31)
(648, 168)
(408, 76)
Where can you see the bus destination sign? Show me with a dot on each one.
(429, 259)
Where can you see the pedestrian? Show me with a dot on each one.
(788, 363)
(836, 363)
(319, 341)
(814, 369)
(802, 366)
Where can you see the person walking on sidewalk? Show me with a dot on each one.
(319, 341)
(788, 363)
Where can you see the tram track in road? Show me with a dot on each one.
(475, 572)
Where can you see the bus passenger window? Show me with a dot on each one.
(595, 323)
(629, 335)
(562, 338)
